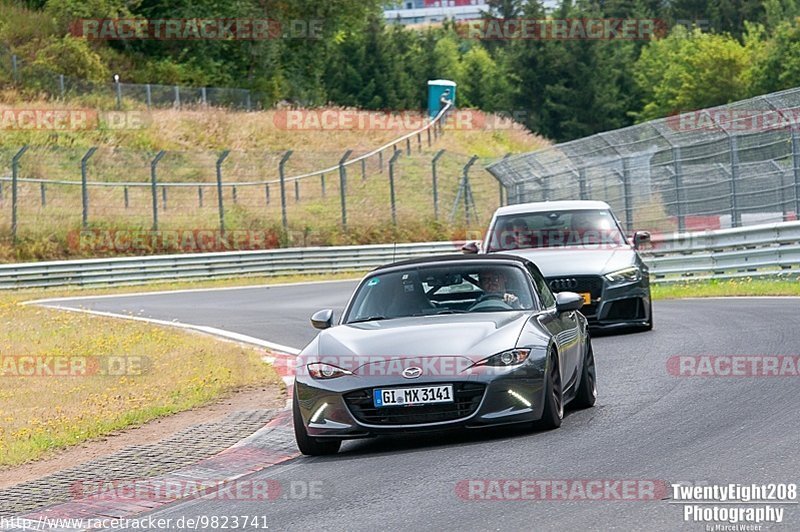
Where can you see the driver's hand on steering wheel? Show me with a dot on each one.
(511, 299)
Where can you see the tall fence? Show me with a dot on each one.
(13, 69)
(53, 191)
(727, 166)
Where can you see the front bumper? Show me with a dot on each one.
(612, 305)
(341, 408)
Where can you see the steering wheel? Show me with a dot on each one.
(487, 301)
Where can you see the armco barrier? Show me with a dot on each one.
(764, 250)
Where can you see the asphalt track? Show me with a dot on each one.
(648, 424)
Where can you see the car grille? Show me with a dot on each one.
(467, 397)
(587, 283)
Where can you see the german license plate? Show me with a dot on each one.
(587, 298)
(413, 396)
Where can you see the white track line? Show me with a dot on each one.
(183, 291)
(212, 331)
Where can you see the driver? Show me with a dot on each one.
(493, 283)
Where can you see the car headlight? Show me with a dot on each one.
(320, 370)
(628, 275)
(512, 357)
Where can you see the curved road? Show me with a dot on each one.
(647, 424)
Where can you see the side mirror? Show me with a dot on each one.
(639, 238)
(322, 319)
(568, 301)
(470, 248)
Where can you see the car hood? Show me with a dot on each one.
(472, 336)
(557, 261)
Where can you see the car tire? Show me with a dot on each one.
(308, 445)
(553, 410)
(587, 391)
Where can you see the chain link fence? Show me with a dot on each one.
(726, 166)
(299, 198)
(42, 81)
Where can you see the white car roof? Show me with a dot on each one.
(549, 206)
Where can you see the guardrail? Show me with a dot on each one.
(765, 250)
(137, 270)
(759, 250)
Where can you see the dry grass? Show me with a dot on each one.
(194, 138)
(168, 371)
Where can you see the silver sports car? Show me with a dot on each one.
(443, 343)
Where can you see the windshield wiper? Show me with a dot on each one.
(368, 318)
(451, 311)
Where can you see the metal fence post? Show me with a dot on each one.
(679, 192)
(796, 171)
(43, 192)
(626, 193)
(154, 186)
(119, 94)
(408, 146)
(85, 188)
(429, 136)
(343, 186)
(203, 99)
(164, 197)
(500, 187)
(582, 183)
(247, 102)
(14, 192)
(392, 162)
(434, 180)
(380, 161)
(234, 194)
(266, 193)
(282, 174)
(469, 200)
(419, 142)
(363, 169)
(61, 86)
(177, 101)
(322, 184)
(296, 190)
(148, 95)
(736, 216)
(125, 197)
(200, 197)
(220, 199)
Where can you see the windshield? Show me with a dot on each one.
(451, 289)
(590, 228)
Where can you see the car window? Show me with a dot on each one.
(539, 282)
(545, 229)
(429, 290)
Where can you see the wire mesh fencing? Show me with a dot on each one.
(105, 201)
(726, 166)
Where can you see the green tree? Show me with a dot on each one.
(775, 63)
(689, 70)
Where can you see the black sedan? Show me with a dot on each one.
(442, 343)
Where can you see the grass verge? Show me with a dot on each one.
(110, 375)
(746, 286)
